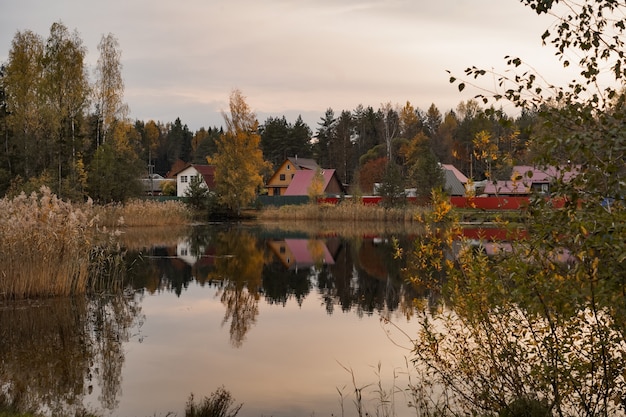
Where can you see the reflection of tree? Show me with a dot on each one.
(279, 283)
(239, 264)
(242, 308)
(52, 350)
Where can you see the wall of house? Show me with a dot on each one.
(183, 179)
(281, 179)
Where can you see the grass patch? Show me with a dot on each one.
(347, 211)
(144, 213)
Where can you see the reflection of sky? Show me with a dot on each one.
(287, 365)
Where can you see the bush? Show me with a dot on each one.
(219, 404)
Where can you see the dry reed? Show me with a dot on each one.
(45, 246)
(144, 213)
(50, 247)
(347, 219)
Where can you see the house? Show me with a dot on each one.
(184, 176)
(456, 181)
(507, 188)
(539, 179)
(527, 179)
(278, 183)
(302, 180)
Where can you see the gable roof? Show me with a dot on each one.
(207, 172)
(458, 174)
(453, 185)
(455, 179)
(506, 188)
(533, 175)
(302, 181)
(303, 163)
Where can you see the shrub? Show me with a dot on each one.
(219, 404)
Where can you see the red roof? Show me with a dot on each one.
(302, 181)
(208, 173)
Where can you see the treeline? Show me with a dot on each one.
(68, 129)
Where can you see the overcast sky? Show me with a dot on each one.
(289, 57)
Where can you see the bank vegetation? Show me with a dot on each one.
(51, 247)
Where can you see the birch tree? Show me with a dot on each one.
(108, 88)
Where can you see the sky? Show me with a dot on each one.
(182, 59)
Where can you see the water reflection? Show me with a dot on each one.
(248, 263)
(54, 351)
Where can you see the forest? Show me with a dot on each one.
(71, 131)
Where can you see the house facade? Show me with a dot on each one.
(281, 179)
(185, 175)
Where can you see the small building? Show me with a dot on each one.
(456, 181)
(302, 180)
(539, 179)
(281, 179)
(506, 189)
(184, 176)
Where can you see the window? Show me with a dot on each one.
(293, 175)
(288, 167)
(183, 178)
(282, 177)
(276, 190)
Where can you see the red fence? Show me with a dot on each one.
(485, 203)
(490, 203)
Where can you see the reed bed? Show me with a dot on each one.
(347, 211)
(345, 219)
(46, 246)
(51, 247)
(144, 213)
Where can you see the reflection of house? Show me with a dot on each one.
(301, 253)
(302, 181)
(185, 175)
(281, 179)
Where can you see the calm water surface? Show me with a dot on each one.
(284, 321)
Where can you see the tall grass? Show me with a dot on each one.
(45, 246)
(144, 213)
(346, 219)
(347, 211)
(50, 247)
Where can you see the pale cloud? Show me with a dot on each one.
(182, 59)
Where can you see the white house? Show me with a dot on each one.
(184, 176)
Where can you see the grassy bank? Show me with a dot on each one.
(345, 212)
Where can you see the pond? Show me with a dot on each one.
(288, 322)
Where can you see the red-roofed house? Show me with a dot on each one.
(184, 176)
(301, 182)
(278, 183)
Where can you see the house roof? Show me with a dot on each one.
(303, 163)
(207, 172)
(454, 170)
(506, 188)
(453, 185)
(533, 175)
(302, 181)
